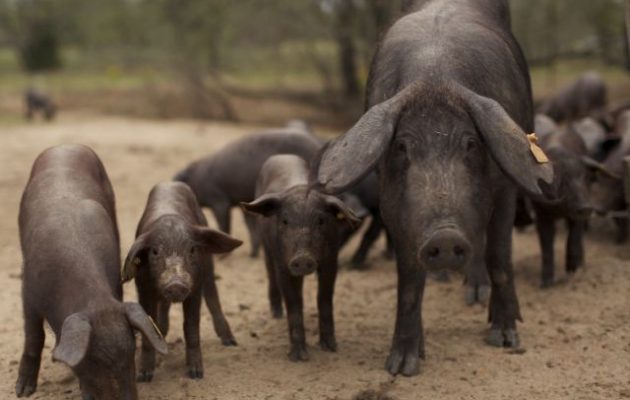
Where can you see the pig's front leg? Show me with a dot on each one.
(504, 309)
(291, 287)
(34, 337)
(325, 291)
(211, 295)
(194, 362)
(408, 341)
(575, 248)
(546, 233)
(148, 300)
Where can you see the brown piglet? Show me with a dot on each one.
(171, 261)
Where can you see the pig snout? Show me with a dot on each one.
(446, 248)
(175, 282)
(302, 264)
(176, 291)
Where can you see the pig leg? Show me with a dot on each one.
(622, 230)
(34, 337)
(274, 292)
(211, 295)
(389, 246)
(326, 287)
(194, 362)
(221, 212)
(477, 283)
(148, 300)
(546, 232)
(408, 341)
(504, 309)
(254, 235)
(292, 293)
(575, 249)
(358, 260)
(162, 322)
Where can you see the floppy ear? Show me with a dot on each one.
(341, 211)
(354, 154)
(134, 257)
(266, 205)
(509, 145)
(140, 321)
(74, 340)
(599, 167)
(215, 241)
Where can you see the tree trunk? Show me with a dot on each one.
(346, 49)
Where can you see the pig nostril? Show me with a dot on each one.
(459, 251)
(433, 252)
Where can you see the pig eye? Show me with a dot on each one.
(402, 148)
(193, 250)
(285, 222)
(471, 144)
(154, 251)
(320, 221)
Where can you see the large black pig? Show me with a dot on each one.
(450, 108)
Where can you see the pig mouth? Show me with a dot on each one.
(302, 265)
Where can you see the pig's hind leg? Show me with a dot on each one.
(34, 337)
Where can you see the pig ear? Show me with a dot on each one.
(140, 321)
(341, 211)
(134, 257)
(517, 155)
(266, 205)
(215, 241)
(74, 340)
(354, 154)
(599, 167)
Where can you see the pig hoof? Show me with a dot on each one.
(298, 353)
(477, 294)
(229, 341)
(495, 337)
(276, 312)
(25, 387)
(145, 376)
(400, 363)
(328, 344)
(511, 339)
(195, 372)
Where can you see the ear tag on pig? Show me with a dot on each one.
(537, 152)
(157, 330)
(340, 216)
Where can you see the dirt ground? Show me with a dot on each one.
(576, 335)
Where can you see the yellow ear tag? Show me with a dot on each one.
(537, 152)
(340, 216)
(157, 330)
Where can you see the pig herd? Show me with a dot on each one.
(443, 161)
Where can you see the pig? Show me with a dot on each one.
(228, 177)
(300, 233)
(36, 101)
(594, 136)
(449, 109)
(607, 189)
(571, 181)
(586, 96)
(171, 260)
(71, 277)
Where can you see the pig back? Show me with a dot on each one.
(68, 234)
(236, 168)
(281, 172)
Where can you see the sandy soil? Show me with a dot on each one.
(576, 335)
